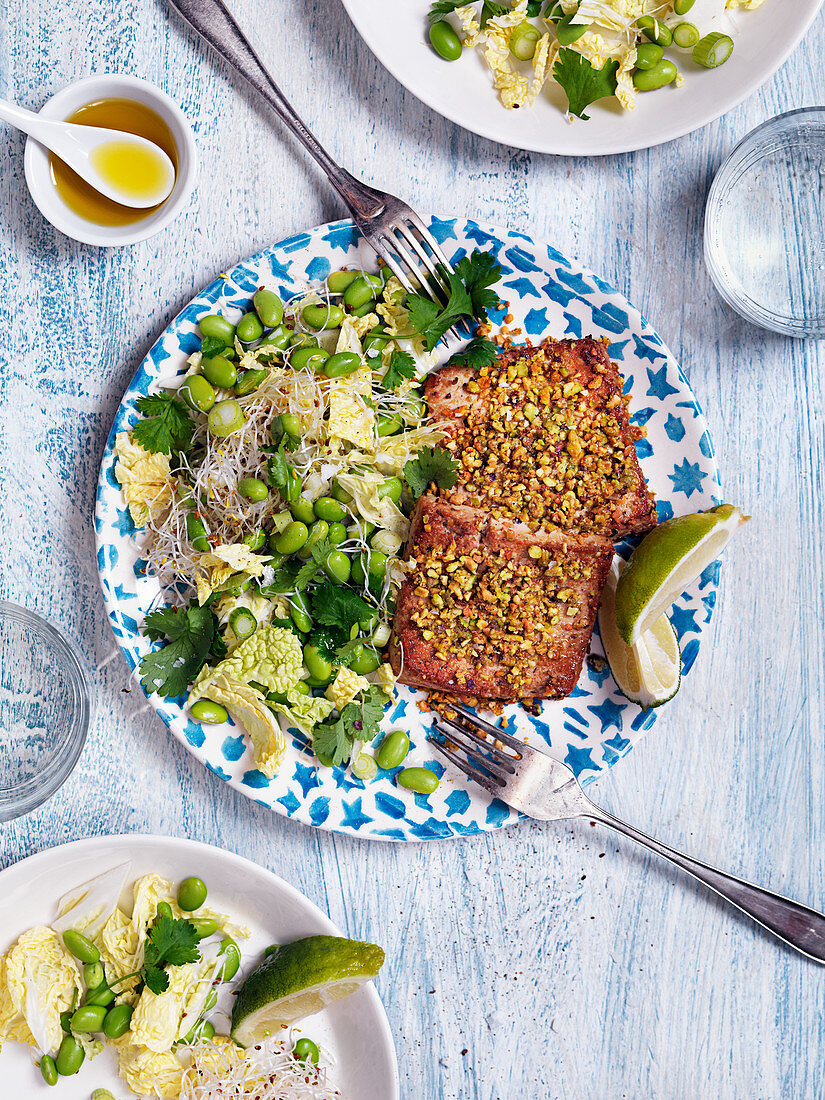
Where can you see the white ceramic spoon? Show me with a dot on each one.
(87, 149)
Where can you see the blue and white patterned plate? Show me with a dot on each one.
(549, 295)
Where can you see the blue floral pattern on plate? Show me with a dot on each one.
(548, 295)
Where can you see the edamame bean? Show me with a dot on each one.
(164, 909)
(211, 1000)
(200, 1032)
(225, 418)
(308, 357)
(392, 488)
(523, 40)
(445, 41)
(337, 533)
(197, 393)
(249, 328)
(249, 381)
(388, 424)
(654, 30)
(93, 975)
(116, 1021)
(569, 32)
(269, 307)
(232, 958)
(204, 927)
(48, 1070)
(648, 54)
(322, 317)
(102, 1094)
(303, 510)
(337, 566)
(256, 541)
(358, 293)
(305, 1050)
(81, 947)
(340, 493)
(88, 1018)
(393, 750)
(218, 327)
(373, 281)
(338, 281)
(362, 311)
(317, 532)
(291, 425)
(373, 343)
(341, 364)
(415, 409)
(420, 780)
(319, 667)
(299, 612)
(329, 509)
(279, 339)
(293, 538)
(252, 488)
(191, 894)
(220, 372)
(682, 7)
(364, 661)
(303, 340)
(196, 532)
(648, 80)
(103, 995)
(204, 710)
(70, 1057)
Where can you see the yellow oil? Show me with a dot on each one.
(136, 172)
(134, 175)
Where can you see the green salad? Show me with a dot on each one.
(275, 484)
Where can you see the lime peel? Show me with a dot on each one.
(666, 562)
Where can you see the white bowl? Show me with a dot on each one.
(45, 194)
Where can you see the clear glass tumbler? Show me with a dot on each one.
(765, 225)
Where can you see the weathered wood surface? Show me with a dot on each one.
(546, 962)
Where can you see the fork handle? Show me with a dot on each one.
(796, 924)
(214, 23)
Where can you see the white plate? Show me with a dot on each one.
(355, 1032)
(462, 90)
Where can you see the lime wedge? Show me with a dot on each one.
(298, 979)
(649, 672)
(665, 562)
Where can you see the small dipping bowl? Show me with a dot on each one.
(41, 183)
(44, 710)
(765, 225)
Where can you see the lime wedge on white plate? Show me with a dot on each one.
(298, 979)
(649, 672)
(666, 562)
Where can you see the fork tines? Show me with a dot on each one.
(485, 762)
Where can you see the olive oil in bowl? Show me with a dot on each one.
(131, 169)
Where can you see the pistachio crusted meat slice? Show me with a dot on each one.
(543, 436)
(491, 608)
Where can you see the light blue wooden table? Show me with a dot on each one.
(545, 962)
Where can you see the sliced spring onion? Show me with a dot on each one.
(686, 35)
(364, 767)
(711, 51)
(243, 623)
(523, 41)
(225, 418)
(381, 635)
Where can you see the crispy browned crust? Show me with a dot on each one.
(544, 436)
(481, 644)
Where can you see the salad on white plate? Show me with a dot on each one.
(592, 49)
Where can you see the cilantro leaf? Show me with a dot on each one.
(171, 942)
(327, 639)
(401, 368)
(478, 353)
(431, 464)
(167, 426)
(478, 272)
(283, 581)
(362, 717)
(330, 740)
(582, 82)
(211, 346)
(440, 8)
(308, 570)
(338, 606)
(191, 633)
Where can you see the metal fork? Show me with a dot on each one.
(392, 228)
(544, 788)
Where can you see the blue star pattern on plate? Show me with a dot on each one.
(549, 295)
